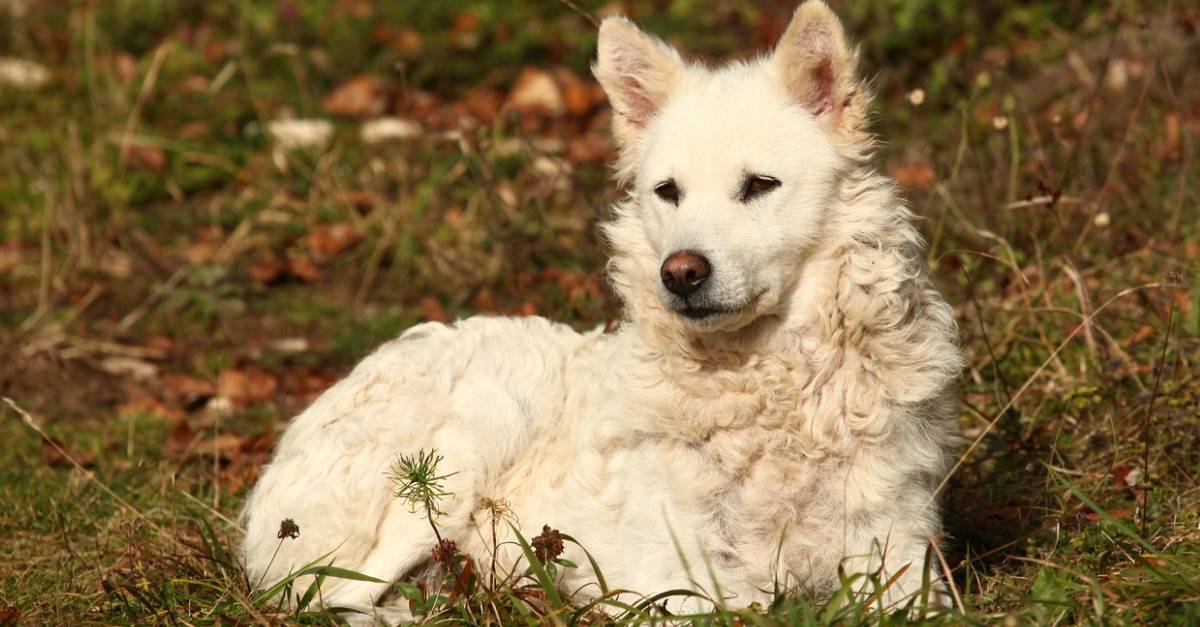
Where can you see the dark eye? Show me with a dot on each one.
(758, 185)
(668, 191)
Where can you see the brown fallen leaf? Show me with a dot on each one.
(433, 311)
(305, 383)
(327, 241)
(236, 476)
(590, 148)
(1170, 146)
(1126, 476)
(201, 252)
(56, 454)
(465, 33)
(146, 157)
(361, 96)
(246, 385)
(577, 94)
(453, 217)
(1120, 513)
(913, 175)
(466, 22)
(1138, 335)
(194, 84)
(303, 268)
(535, 92)
(407, 41)
(564, 278)
(241, 457)
(11, 254)
(146, 404)
(483, 104)
(185, 390)
(361, 200)
(216, 50)
(179, 439)
(227, 446)
(194, 130)
(125, 67)
(268, 269)
(263, 443)
(485, 300)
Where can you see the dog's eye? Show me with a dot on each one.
(757, 185)
(668, 191)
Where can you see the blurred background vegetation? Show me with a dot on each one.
(209, 210)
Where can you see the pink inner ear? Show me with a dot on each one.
(636, 104)
(813, 51)
(821, 89)
(638, 108)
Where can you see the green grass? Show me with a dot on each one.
(1051, 157)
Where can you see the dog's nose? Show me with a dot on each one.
(684, 272)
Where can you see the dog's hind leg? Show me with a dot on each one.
(404, 541)
(405, 537)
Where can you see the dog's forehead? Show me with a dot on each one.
(718, 123)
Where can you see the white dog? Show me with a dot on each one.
(777, 404)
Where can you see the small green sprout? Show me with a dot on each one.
(418, 482)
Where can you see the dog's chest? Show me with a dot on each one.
(761, 484)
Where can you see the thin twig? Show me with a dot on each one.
(1149, 418)
(958, 602)
(160, 55)
(212, 511)
(158, 292)
(587, 16)
(1038, 201)
(44, 281)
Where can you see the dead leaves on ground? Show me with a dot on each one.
(200, 413)
(57, 454)
(201, 438)
(303, 261)
(913, 175)
(554, 101)
(362, 96)
(235, 457)
(186, 391)
(246, 386)
(327, 241)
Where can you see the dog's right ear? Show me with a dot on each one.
(637, 71)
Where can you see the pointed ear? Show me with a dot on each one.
(637, 72)
(817, 67)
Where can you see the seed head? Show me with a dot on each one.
(288, 529)
(445, 553)
(548, 545)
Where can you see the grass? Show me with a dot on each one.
(172, 290)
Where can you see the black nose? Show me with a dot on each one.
(684, 272)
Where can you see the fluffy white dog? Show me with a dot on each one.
(777, 403)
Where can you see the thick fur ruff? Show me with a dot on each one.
(806, 436)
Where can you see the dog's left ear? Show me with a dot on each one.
(818, 68)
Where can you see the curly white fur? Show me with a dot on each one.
(802, 429)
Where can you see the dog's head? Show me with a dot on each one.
(730, 170)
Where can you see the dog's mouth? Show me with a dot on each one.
(702, 313)
(709, 313)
